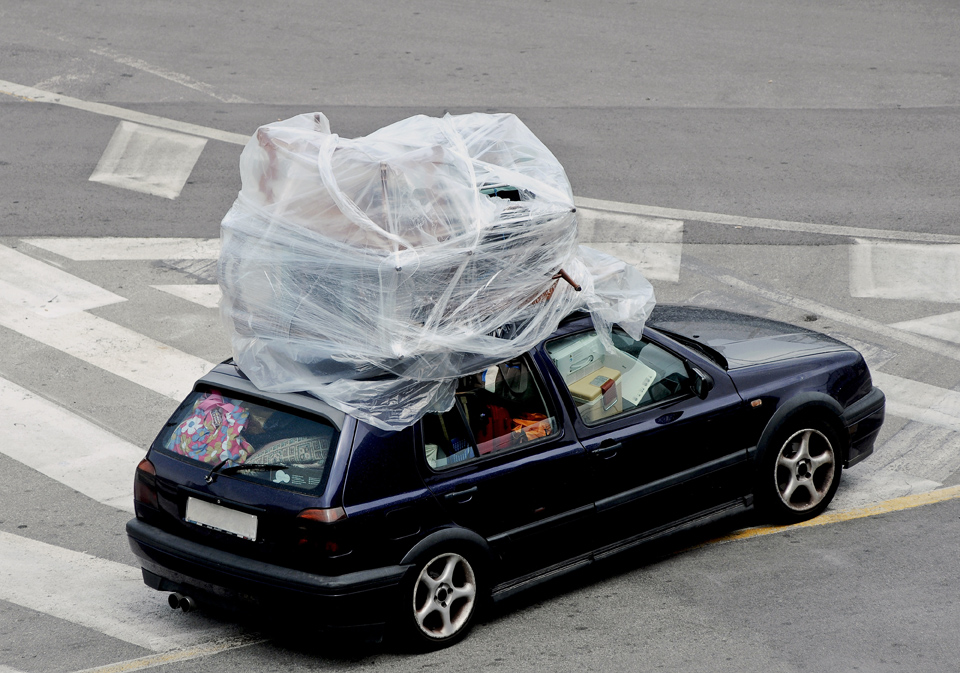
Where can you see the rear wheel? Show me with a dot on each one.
(801, 472)
(442, 602)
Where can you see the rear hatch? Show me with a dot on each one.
(248, 474)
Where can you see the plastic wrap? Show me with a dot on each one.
(373, 272)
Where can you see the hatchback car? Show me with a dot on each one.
(546, 463)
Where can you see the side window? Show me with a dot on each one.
(605, 385)
(501, 408)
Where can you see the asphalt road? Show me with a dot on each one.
(787, 159)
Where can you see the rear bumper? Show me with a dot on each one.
(171, 563)
(863, 420)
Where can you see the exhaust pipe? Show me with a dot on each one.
(178, 600)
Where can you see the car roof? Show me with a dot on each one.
(227, 375)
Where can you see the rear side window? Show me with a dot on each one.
(212, 427)
(499, 409)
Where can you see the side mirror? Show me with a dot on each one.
(701, 382)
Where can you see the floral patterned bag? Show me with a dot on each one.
(211, 433)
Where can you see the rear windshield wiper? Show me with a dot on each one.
(710, 352)
(219, 469)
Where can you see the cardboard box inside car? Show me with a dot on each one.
(598, 394)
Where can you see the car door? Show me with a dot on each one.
(504, 463)
(658, 453)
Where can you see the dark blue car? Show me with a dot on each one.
(546, 463)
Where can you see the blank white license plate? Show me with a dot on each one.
(220, 518)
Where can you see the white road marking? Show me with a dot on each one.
(59, 322)
(40, 96)
(935, 346)
(38, 288)
(861, 486)
(920, 402)
(945, 327)
(918, 451)
(204, 295)
(113, 348)
(67, 448)
(763, 223)
(905, 271)
(148, 160)
(653, 245)
(101, 595)
(117, 248)
(176, 77)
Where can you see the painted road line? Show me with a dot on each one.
(909, 271)
(176, 656)
(102, 595)
(148, 160)
(894, 505)
(651, 244)
(868, 484)
(204, 295)
(40, 96)
(113, 348)
(763, 223)
(176, 77)
(945, 327)
(40, 289)
(917, 341)
(67, 448)
(920, 401)
(32, 305)
(121, 248)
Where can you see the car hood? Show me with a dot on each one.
(743, 340)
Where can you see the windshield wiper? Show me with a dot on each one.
(219, 469)
(710, 352)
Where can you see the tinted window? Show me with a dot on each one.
(499, 409)
(211, 427)
(604, 385)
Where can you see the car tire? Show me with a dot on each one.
(800, 470)
(439, 605)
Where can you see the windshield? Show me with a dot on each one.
(278, 446)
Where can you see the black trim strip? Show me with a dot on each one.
(549, 522)
(673, 480)
(729, 509)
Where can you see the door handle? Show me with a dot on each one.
(608, 451)
(461, 497)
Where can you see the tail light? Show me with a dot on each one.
(317, 533)
(145, 485)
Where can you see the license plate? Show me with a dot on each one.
(221, 518)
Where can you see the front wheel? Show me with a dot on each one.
(801, 472)
(442, 602)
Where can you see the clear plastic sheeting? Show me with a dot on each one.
(373, 272)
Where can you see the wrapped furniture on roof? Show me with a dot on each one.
(373, 272)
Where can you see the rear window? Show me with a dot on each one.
(223, 431)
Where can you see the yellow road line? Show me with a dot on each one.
(894, 505)
(173, 656)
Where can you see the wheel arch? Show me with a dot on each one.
(819, 405)
(450, 539)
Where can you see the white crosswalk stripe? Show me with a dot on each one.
(102, 595)
(66, 447)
